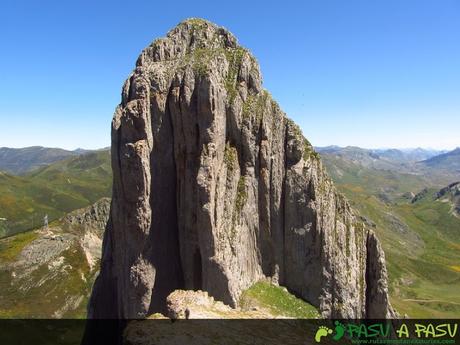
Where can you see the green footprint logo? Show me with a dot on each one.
(339, 331)
(322, 332)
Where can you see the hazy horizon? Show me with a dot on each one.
(318, 146)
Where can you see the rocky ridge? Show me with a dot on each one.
(215, 188)
(48, 273)
(451, 194)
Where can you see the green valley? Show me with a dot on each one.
(53, 190)
(419, 232)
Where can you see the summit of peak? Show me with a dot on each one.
(204, 30)
(187, 37)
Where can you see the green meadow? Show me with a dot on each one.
(53, 190)
(421, 239)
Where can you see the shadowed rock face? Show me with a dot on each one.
(215, 188)
(451, 193)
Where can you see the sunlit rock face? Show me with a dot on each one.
(215, 188)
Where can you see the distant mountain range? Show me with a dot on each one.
(393, 155)
(448, 160)
(438, 165)
(18, 161)
(412, 155)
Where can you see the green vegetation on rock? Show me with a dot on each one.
(201, 59)
(277, 300)
(255, 105)
(230, 157)
(309, 151)
(234, 58)
(242, 194)
(197, 23)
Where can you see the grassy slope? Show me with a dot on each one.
(421, 240)
(54, 190)
(277, 300)
(43, 292)
(433, 271)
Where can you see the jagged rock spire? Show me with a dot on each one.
(215, 188)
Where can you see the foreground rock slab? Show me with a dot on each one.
(196, 318)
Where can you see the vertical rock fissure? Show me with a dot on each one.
(371, 288)
(264, 235)
(197, 270)
(377, 299)
(283, 211)
(164, 233)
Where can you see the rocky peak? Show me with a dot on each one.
(451, 193)
(452, 189)
(190, 35)
(208, 50)
(91, 217)
(215, 188)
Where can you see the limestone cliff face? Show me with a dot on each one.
(215, 188)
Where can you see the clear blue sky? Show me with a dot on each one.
(381, 73)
